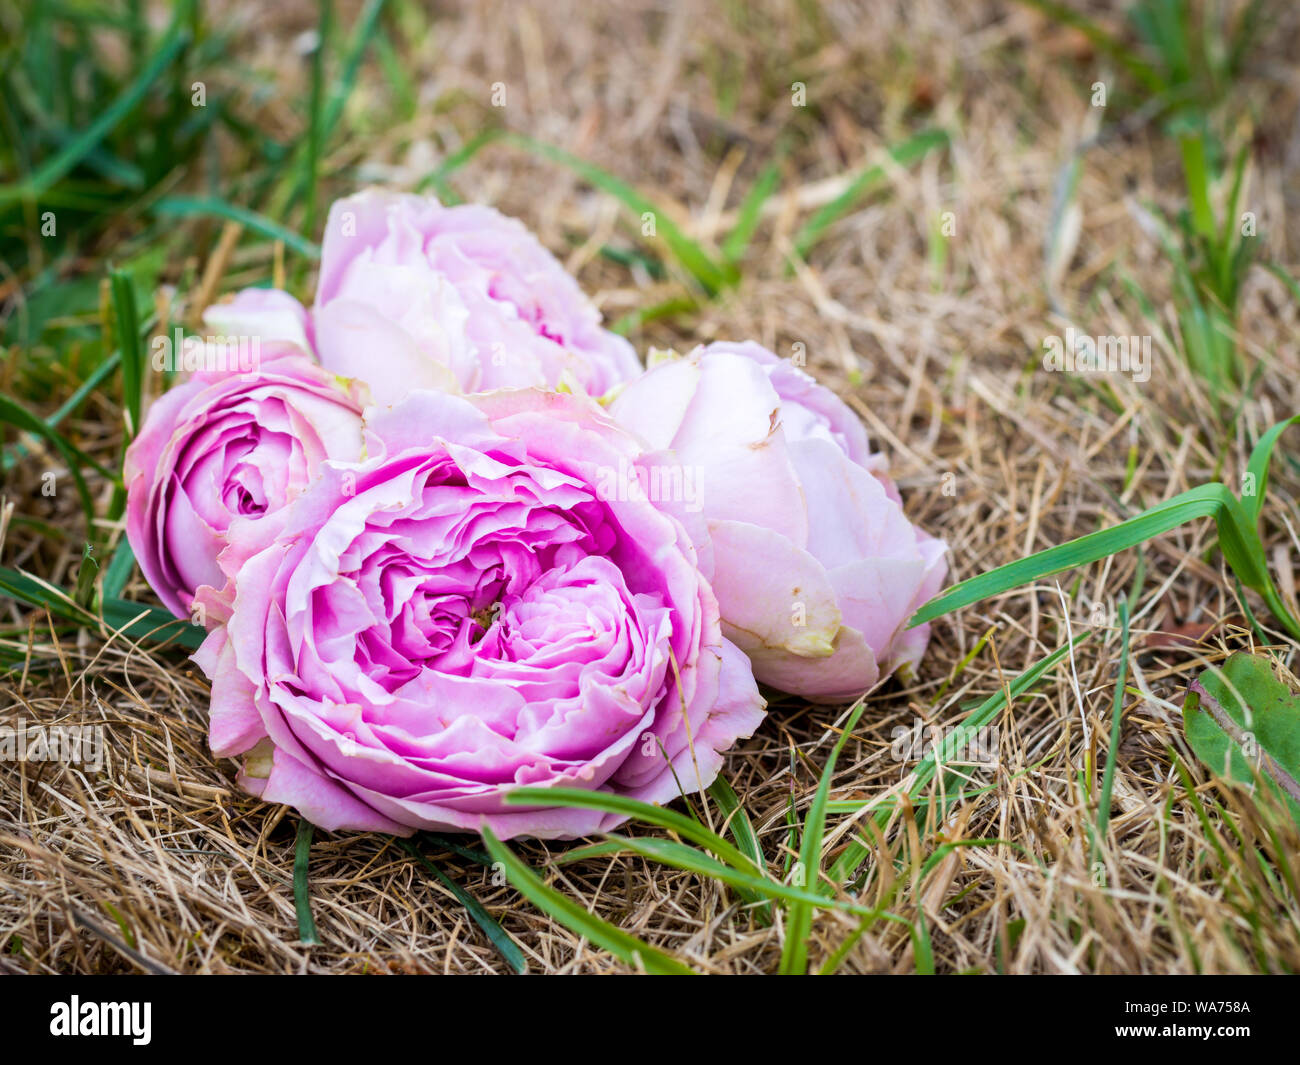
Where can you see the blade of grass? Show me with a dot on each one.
(186, 207)
(708, 274)
(127, 322)
(19, 418)
(119, 569)
(86, 574)
(794, 951)
(733, 247)
(1112, 753)
(315, 125)
(301, 896)
(1237, 539)
(175, 39)
(904, 154)
(660, 816)
(497, 936)
(742, 830)
(846, 865)
(623, 946)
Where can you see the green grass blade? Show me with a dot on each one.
(954, 739)
(1204, 501)
(1103, 42)
(641, 811)
(119, 569)
(497, 936)
(1112, 753)
(1252, 496)
(316, 118)
(733, 248)
(693, 860)
(176, 38)
(86, 574)
(187, 207)
(623, 946)
(694, 259)
(139, 622)
(134, 620)
(19, 418)
(794, 951)
(905, 154)
(737, 820)
(301, 895)
(132, 350)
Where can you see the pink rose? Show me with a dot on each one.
(476, 606)
(416, 295)
(817, 570)
(228, 446)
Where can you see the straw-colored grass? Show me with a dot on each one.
(157, 861)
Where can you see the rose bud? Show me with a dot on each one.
(227, 446)
(817, 570)
(477, 606)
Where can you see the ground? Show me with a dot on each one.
(926, 306)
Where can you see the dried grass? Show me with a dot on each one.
(157, 861)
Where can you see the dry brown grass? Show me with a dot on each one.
(157, 861)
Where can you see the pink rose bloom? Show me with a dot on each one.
(416, 295)
(817, 570)
(223, 447)
(475, 607)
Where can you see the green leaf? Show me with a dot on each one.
(497, 936)
(619, 943)
(1243, 722)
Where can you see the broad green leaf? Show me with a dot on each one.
(1243, 722)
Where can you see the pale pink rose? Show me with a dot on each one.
(416, 295)
(224, 447)
(817, 569)
(482, 603)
